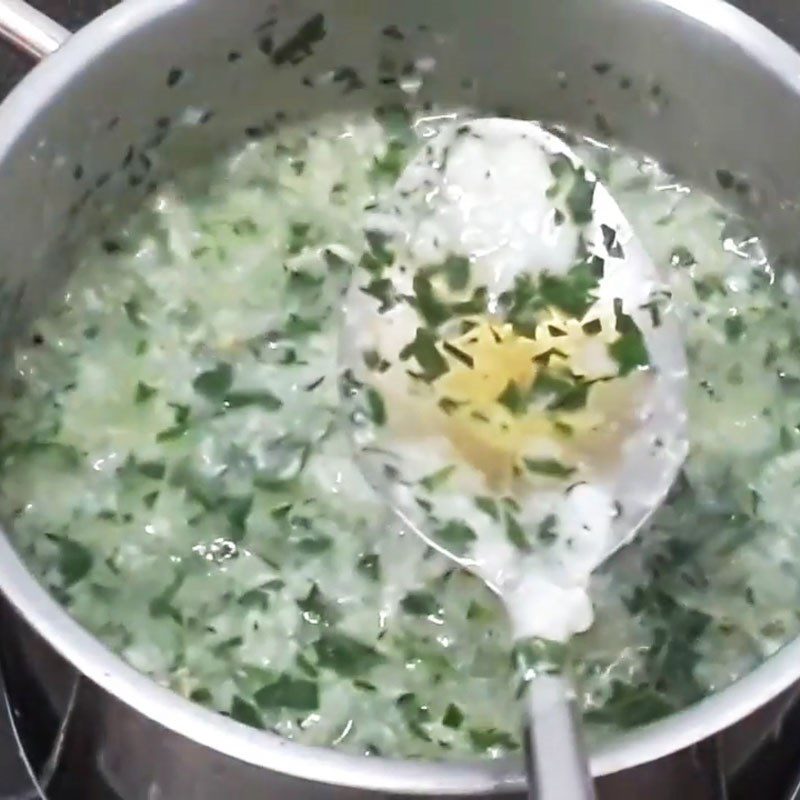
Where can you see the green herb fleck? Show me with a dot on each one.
(143, 393)
(433, 310)
(455, 536)
(516, 534)
(300, 45)
(448, 405)
(299, 280)
(682, 256)
(387, 168)
(453, 717)
(260, 398)
(378, 255)
(179, 428)
(460, 355)
(369, 565)
(297, 326)
(559, 393)
(237, 510)
(574, 292)
(161, 606)
(314, 543)
(133, 310)
(734, 328)
(549, 467)
(376, 406)
(547, 532)
(424, 350)
(382, 289)
(74, 561)
(420, 604)
(214, 384)
(630, 350)
(580, 197)
(297, 694)
(631, 706)
(488, 506)
(513, 399)
(725, 178)
(317, 608)
(484, 739)
(344, 655)
(437, 479)
(374, 362)
(152, 469)
(254, 598)
(243, 712)
(455, 269)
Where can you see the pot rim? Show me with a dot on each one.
(267, 750)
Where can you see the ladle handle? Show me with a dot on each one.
(29, 29)
(555, 758)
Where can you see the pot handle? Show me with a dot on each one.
(29, 29)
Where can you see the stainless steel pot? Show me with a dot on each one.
(156, 83)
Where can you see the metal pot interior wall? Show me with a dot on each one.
(110, 117)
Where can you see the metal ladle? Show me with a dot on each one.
(653, 452)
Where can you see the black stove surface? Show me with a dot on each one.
(773, 773)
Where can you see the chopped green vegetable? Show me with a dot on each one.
(374, 362)
(143, 392)
(133, 310)
(428, 305)
(581, 196)
(460, 355)
(152, 469)
(162, 605)
(550, 467)
(455, 535)
(387, 168)
(681, 256)
(378, 255)
(344, 655)
(214, 383)
(382, 289)
(255, 598)
(317, 608)
(237, 510)
(453, 717)
(376, 406)
(297, 694)
(298, 237)
(631, 706)
(488, 506)
(314, 543)
(573, 293)
(245, 713)
(369, 565)
(513, 398)
(630, 350)
(426, 353)
(260, 398)
(548, 529)
(420, 604)
(484, 739)
(734, 328)
(515, 533)
(437, 479)
(74, 561)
